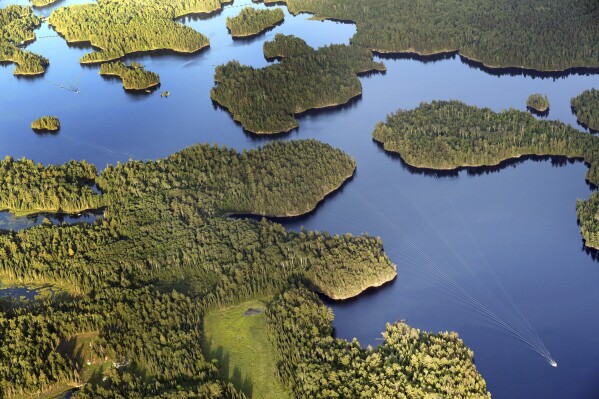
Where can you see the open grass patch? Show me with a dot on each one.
(236, 336)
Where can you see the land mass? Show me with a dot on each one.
(586, 108)
(165, 253)
(124, 27)
(446, 135)
(134, 76)
(496, 34)
(252, 22)
(46, 124)
(266, 100)
(17, 25)
(538, 104)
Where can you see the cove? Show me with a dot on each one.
(522, 214)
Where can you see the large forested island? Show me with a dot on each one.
(586, 108)
(265, 101)
(134, 76)
(251, 22)
(451, 134)
(132, 288)
(17, 25)
(122, 27)
(543, 35)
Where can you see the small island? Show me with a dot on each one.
(538, 104)
(119, 28)
(266, 100)
(46, 124)
(252, 22)
(134, 76)
(17, 26)
(446, 135)
(43, 3)
(586, 108)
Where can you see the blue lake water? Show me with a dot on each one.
(516, 222)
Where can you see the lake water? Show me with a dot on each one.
(516, 222)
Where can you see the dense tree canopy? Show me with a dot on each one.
(141, 277)
(251, 21)
(546, 35)
(46, 124)
(134, 76)
(586, 108)
(408, 364)
(121, 27)
(266, 100)
(538, 103)
(451, 134)
(17, 25)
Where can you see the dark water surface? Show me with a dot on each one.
(517, 221)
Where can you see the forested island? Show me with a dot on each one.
(537, 34)
(450, 134)
(266, 100)
(538, 104)
(251, 22)
(46, 124)
(17, 25)
(586, 108)
(135, 284)
(43, 3)
(123, 27)
(134, 76)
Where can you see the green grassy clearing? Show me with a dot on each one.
(240, 343)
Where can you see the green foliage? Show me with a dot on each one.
(449, 135)
(238, 339)
(134, 76)
(251, 21)
(266, 100)
(121, 27)
(46, 123)
(42, 3)
(32, 188)
(538, 102)
(165, 252)
(586, 108)
(544, 35)
(17, 24)
(409, 363)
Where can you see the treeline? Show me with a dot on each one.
(251, 21)
(143, 275)
(123, 27)
(451, 134)
(46, 123)
(266, 100)
(537, 34)
(134, 76)
(586, 108)
(408, 364)
(33, 188)
(17, 25)
(42, 3)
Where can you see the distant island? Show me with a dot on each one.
(266, 100)
(134, 76)
(538, 104)
(43, 3)
(496, 34)
(450, 134)
(251, 22)
(17, 26)
(46, 124)
(586, 108)
(130, 26)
